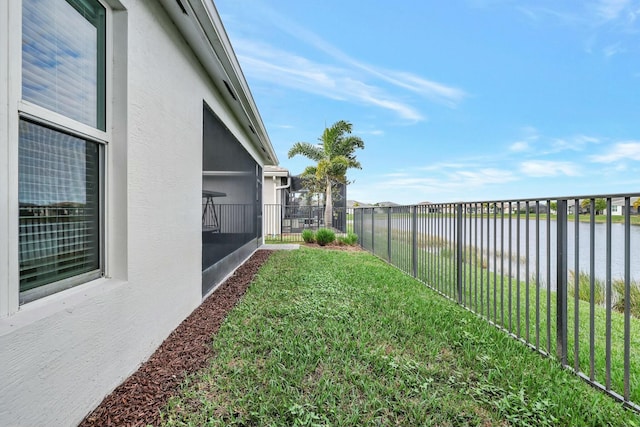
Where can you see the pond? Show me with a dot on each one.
(521, 234)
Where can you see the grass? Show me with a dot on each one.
(330, 338)
(504, 299)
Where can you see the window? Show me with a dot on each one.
(60, 158)
(63, 58)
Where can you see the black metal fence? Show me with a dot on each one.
(285, 223)
(564, 282)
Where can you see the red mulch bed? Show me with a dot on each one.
(334, 246)
(137, 401)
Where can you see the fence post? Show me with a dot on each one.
(414, 232)
(361, 236)
(282, 222)
(459, 246)
(561, 282)
(389, 234)
(373, 228)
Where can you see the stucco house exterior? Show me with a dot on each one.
(618, 206)
(131, 156)
(275, 195)
(277, 185)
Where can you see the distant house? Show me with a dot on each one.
(130, 186)
(618, 206)
(386, 204)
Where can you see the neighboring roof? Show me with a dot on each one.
(619, 201)
(355, 203)
(383, 204)
(199, 23)
(270, 170)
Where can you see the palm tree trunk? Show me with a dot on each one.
(328, 209)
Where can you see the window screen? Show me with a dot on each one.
(231, 196)
(59, 194)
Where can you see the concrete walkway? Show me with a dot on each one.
(280, 246)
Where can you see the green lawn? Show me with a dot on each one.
(331, 338)
(504, 301)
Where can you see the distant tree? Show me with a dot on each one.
(553, 206)
(335, 154)
(599, 204)
(585, 204)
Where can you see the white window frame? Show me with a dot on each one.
(11, 112)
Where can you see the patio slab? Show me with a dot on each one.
(280, 246)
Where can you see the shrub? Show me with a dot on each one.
(308, 236)
(350, 239)
(325, 236)
(634, 297)
(584, 282)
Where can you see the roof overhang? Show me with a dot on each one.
(271, 170)
(202, 28)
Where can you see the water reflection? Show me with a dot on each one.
(513, 236)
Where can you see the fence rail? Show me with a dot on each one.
(562, 281)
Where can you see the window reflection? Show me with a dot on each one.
(63, 45)
(59, 206)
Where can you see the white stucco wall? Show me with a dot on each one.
(273, 192)
(269, 191)
(60, 355)
(271, 214)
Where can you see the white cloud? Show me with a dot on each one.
(483, 177)
(530, 135)
(628, 150)
(606, 24)
(543, 168)
(613, 49)
(449, 165)
(275, 66)
(434, 91)
(519, 146)
(610, 9)
(573, 143)
(376, 132)
(537, 13)
(449, 181)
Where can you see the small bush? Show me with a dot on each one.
(308, 236)
(325, 236)
(634, 297)
(584, 283)
(350, 239)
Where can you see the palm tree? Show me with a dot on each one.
(335, 154)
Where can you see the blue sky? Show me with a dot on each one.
(460, 100)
